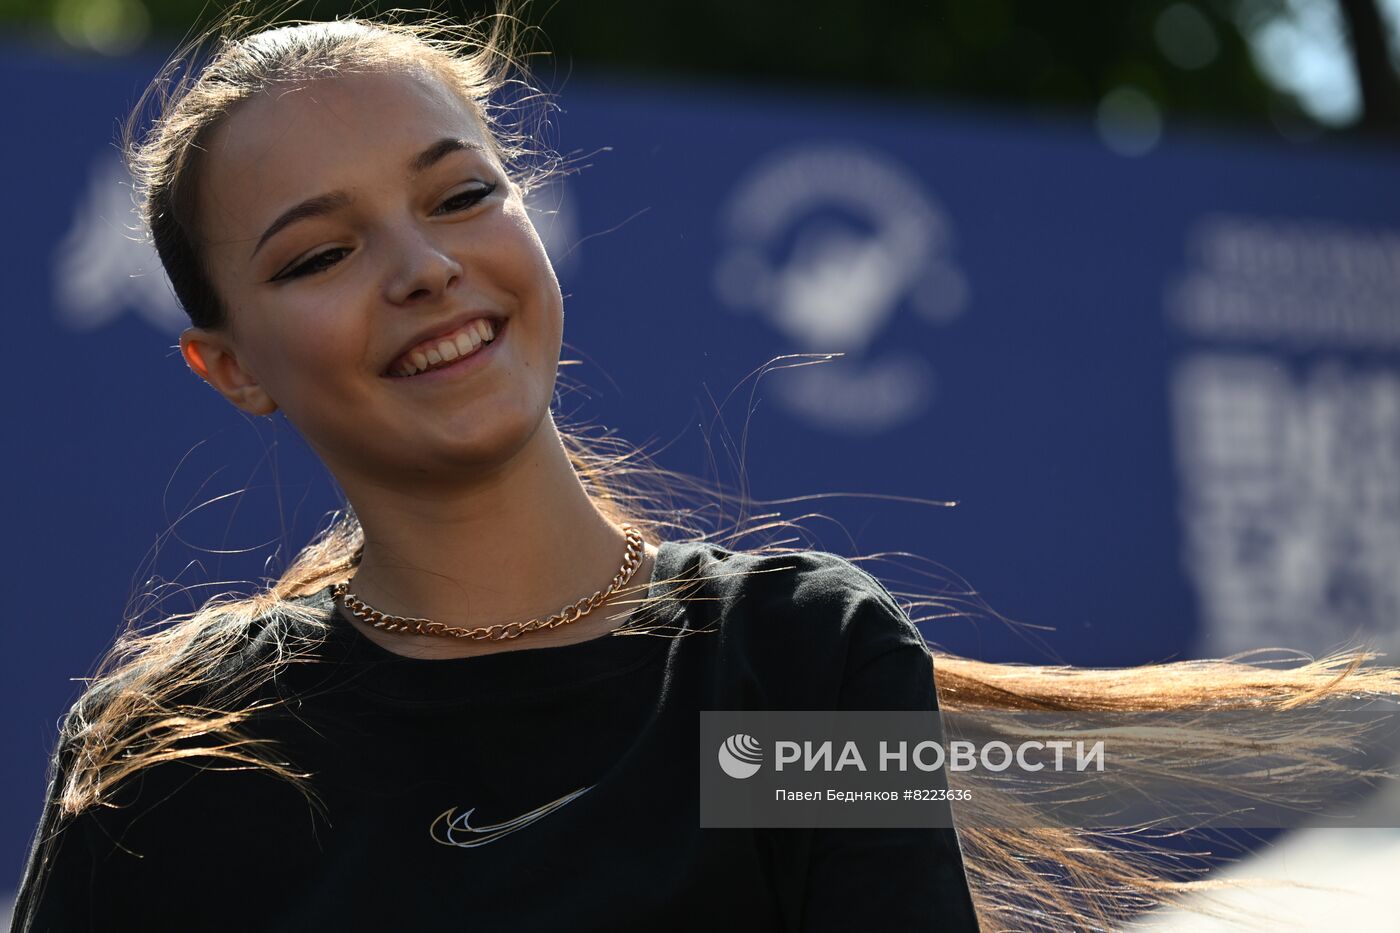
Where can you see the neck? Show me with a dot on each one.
(519, 543)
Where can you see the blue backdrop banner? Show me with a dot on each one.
(1164, 391)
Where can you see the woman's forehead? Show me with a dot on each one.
(296, 140)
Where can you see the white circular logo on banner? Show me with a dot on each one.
(828, 244)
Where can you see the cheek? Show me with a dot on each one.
(298, 346)
(527, 246)
(519, 264)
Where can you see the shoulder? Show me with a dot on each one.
(788, 582)
(812, 606)
(204, 666)
(218, 653)
(177, 703)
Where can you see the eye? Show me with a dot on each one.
(465, 199)
(459, 202)
(314, 264)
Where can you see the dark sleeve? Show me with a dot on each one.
(59, 879)
(907, 879)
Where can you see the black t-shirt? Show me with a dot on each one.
(532, 789)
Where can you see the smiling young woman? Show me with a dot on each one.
(355, 228)
(460, 738)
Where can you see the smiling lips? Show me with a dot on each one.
(441, 351)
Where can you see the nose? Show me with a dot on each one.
(422, 269)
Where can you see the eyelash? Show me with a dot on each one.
(310, 267)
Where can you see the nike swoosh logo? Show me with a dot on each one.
(449, 829)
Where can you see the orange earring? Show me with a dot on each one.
(195, 361)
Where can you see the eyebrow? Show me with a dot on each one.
(324, 204)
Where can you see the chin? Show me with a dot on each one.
(475, 442)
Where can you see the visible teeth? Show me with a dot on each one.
(470, 339)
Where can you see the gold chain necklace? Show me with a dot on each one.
(631, 560)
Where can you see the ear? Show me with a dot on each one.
(212, 357)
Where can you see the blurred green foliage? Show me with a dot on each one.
(1194, 61)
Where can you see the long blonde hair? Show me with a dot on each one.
(163, 693)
